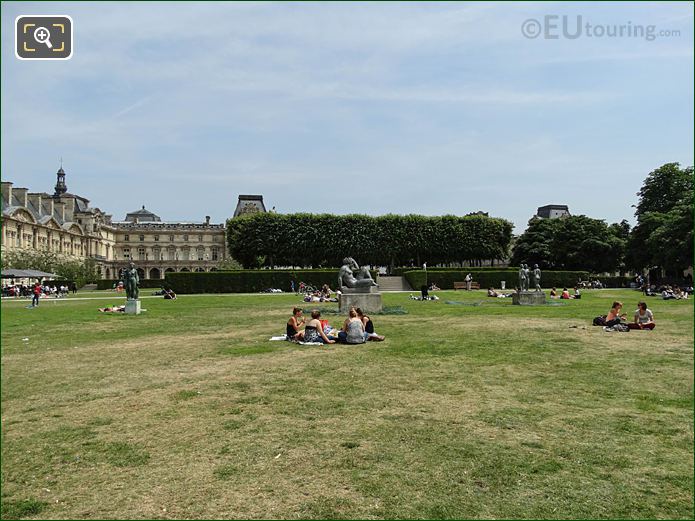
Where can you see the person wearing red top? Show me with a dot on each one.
(37, 294)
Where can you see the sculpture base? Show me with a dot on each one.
(132, 307)
(368, 302)
(356, 291)
(529, 298)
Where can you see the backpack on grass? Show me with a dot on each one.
(600, 320)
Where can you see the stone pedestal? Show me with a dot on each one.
(369, 302)
(529, 298)
(132, 307)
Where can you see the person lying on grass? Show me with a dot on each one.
(644, 318)
(293, 325)
(313, 331)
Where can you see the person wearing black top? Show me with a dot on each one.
(296, 320)
(369, 326)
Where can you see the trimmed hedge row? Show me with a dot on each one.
(303, 239)
(492, 278)
(144, 283)
(615, 282)
(400, 272)
(249, 281)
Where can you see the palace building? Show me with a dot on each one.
(66, 224)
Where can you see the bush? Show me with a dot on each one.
(615, 282)
(144, 283)
(249, 281)
(273, 239)
(491, 278)
(399, 272)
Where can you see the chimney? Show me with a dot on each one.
(21, 195)
(60, 210)
(35, 200)
(69, 208)
(7, 192)
(48, 206)
(207, 220)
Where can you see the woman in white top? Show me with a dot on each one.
(644, 318)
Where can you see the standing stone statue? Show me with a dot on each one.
(523, 277)
(537, 277)
(132, 279)
(348, 279)
(527, 270)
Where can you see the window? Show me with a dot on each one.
(156, 238)
(141, 253)
(157, 254)
(126, 253)
(185, 237)
(142, 238)
(171, 238)
(126, 238)
(215, 254)
(200, 238)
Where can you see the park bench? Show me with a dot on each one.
(462, 285)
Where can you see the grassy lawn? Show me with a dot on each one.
(470, 409)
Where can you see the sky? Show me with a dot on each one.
(428, 108)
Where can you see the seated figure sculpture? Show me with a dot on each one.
(347, 278)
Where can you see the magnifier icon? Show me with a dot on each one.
(43, 35)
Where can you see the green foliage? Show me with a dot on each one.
(576, 242)
(21, 508)
(664, 232)
(615, 282)
(144, 283)
(229, 264)
(491, 278)
(249, 281)
(81, 271)
(301, 239)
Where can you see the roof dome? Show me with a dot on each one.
(142, 216)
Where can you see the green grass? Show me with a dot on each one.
(472, 409)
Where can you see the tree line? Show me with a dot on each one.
(322, 240)
(80, 271)
(662, 237)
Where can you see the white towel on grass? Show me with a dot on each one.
(274, 338)
(311, 343)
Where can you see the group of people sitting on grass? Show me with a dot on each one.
(357, 328)
(673, 293)
(566, 294)
(617, 321)
(322, 295)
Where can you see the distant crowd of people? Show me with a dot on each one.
(42, 290)
(325, 294)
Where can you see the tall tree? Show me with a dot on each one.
(663, 235)
(574, 242)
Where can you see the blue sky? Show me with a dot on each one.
(350, 107)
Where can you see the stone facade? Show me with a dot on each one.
(64, 223)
